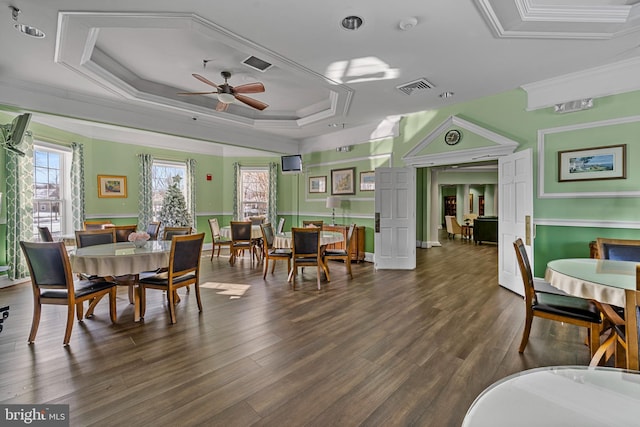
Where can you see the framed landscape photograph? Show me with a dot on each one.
(112, 186)
(343, 181)
(608, 162)
(367, 181)
(318, 184)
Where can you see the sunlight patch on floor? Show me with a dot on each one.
(235, 290)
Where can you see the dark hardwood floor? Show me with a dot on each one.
(388, 348)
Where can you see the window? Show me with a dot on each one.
(253, 194)
(162, 174)
(51, 202)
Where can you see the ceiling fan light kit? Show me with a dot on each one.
(228, 94)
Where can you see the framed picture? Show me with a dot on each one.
(342, 181)
(367, 181)
(470, 202)
(608, 162)
(112, 186)
(318, 184)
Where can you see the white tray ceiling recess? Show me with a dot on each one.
(122, 66)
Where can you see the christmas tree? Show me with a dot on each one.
(174, 211)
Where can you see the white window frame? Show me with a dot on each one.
(173, 164)
(66, 216)
(240, 193)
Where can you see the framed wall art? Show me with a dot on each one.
(590, 164)
(342, 181)
(112, 186)
(317, 184)
(367, 181)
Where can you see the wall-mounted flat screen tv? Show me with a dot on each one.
(14, 132)
(291, 164)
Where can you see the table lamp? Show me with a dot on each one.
(333, 203)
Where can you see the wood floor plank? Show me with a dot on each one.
(392, 348)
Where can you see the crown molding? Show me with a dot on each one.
(611, 79)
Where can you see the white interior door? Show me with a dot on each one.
(515, 215)
(395, 219)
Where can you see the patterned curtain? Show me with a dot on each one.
(145, 192)
(236, 182)
(191, 191)
(77, 185)
(19, 206)
(272, 215)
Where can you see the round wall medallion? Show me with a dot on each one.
(452, 137)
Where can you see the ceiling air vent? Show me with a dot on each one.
(257, 64)
(420, 84)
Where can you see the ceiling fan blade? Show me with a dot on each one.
(204, 80)
(256, 87)
(196, 93)
(221, 106)
(258, 105)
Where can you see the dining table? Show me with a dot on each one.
(559, 396)
(602, 280)
(120, 259)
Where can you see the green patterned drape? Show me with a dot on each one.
(236, 182)
(145, 193)
(19, 206)
(77, 185)
(191, 191)
(272, 215)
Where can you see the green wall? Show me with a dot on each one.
(565, 225)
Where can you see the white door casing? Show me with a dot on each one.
(395, 219)
(515, 215)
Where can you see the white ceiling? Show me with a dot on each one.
(122, 63)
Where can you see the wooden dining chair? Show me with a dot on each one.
(183, 270)
(95, 224)
(169, 232)
(45, 234)
(122, 231)
(306, 252)
(313, 223)
(273, 254)
(561, 308)
(342, 254)
(86, 238)
(217, 240)
(618, 249)
(53, 283)
(153, 228)
(241, 240)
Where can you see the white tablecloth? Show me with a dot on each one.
(600, 279)
(256, 232)
(326, 238)
(116, 259)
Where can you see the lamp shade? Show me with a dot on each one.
(333, 202)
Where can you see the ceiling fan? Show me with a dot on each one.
(227, 94)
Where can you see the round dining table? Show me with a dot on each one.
(559, 396)
(119, 259)
(603, 280)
